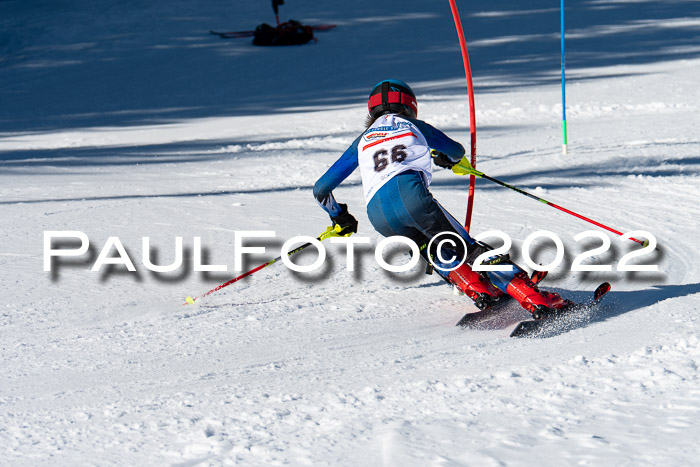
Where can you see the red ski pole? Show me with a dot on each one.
(465, 168)
(330, 232)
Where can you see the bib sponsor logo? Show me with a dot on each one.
(375, 135)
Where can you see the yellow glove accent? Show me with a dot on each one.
(333, 232)
(464, 167)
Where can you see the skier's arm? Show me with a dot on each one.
(441, 143)
(343, 167)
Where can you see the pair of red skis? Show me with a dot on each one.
(539, 327)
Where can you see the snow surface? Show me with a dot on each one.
(127, 119)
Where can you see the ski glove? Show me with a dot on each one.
(347, 223)
(441, 160)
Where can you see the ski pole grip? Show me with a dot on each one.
(464, 167)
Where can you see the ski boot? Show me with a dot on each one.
(540, 303)
(476, 287)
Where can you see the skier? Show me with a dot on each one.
(394, 154)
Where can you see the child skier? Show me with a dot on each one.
(394, 154)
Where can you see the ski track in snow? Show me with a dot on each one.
(337, 367)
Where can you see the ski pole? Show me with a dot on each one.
(275, 6)
(463, 167)
(330, 232)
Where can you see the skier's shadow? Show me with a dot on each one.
(620, 302)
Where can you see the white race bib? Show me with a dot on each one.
(390, 146)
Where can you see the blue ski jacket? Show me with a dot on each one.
(348, 162)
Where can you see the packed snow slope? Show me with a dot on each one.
(128, 119)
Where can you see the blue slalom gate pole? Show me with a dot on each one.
(564, 149)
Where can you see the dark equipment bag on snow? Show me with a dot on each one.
(289, 33)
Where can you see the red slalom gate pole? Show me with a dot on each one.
(472, 114)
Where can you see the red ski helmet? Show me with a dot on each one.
(392, 96)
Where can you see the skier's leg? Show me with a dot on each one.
(386, 217)
(404, 206)
(518, 285)
(515, 283)
(475, 286)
